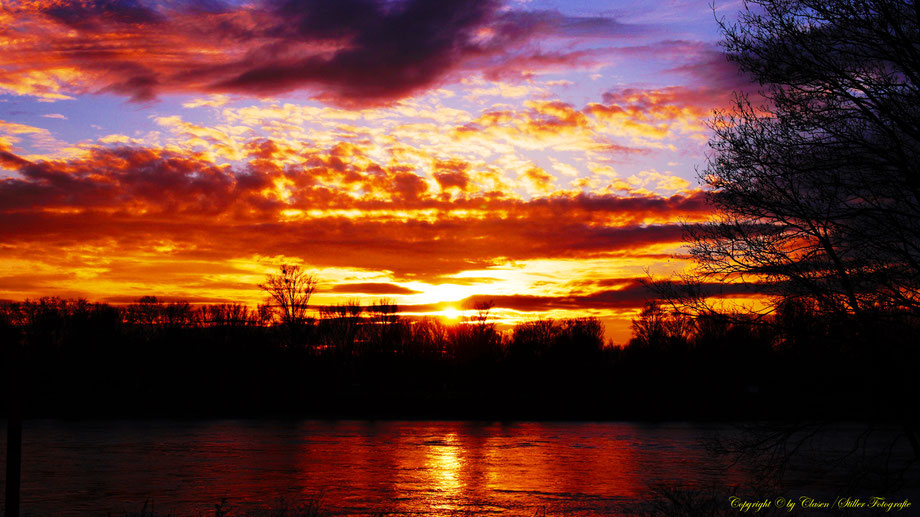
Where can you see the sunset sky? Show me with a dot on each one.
(540, 154)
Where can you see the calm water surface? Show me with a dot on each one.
(358, 468)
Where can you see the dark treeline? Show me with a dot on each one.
(148, 358)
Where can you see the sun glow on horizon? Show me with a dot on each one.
(452, 314)
(549, 187)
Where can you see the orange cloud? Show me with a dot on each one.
(136, 197)
(658, 114)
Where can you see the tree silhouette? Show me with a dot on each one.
(659, 330)
(340, 326)
(817, 176)
(477, 339)
(384, 331)
(290, 289)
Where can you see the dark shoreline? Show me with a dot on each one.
(72, 359)
(425, 406)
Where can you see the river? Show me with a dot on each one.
(356, 467)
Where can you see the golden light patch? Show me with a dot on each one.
(452, 314)
(450, 292)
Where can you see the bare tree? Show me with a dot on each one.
(341, 324)
(384, 332)
(657, 329)
(290, 290)
(483, 315)
(817, 176)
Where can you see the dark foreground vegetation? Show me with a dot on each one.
(74, 358)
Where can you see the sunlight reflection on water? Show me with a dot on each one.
(358, 468)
